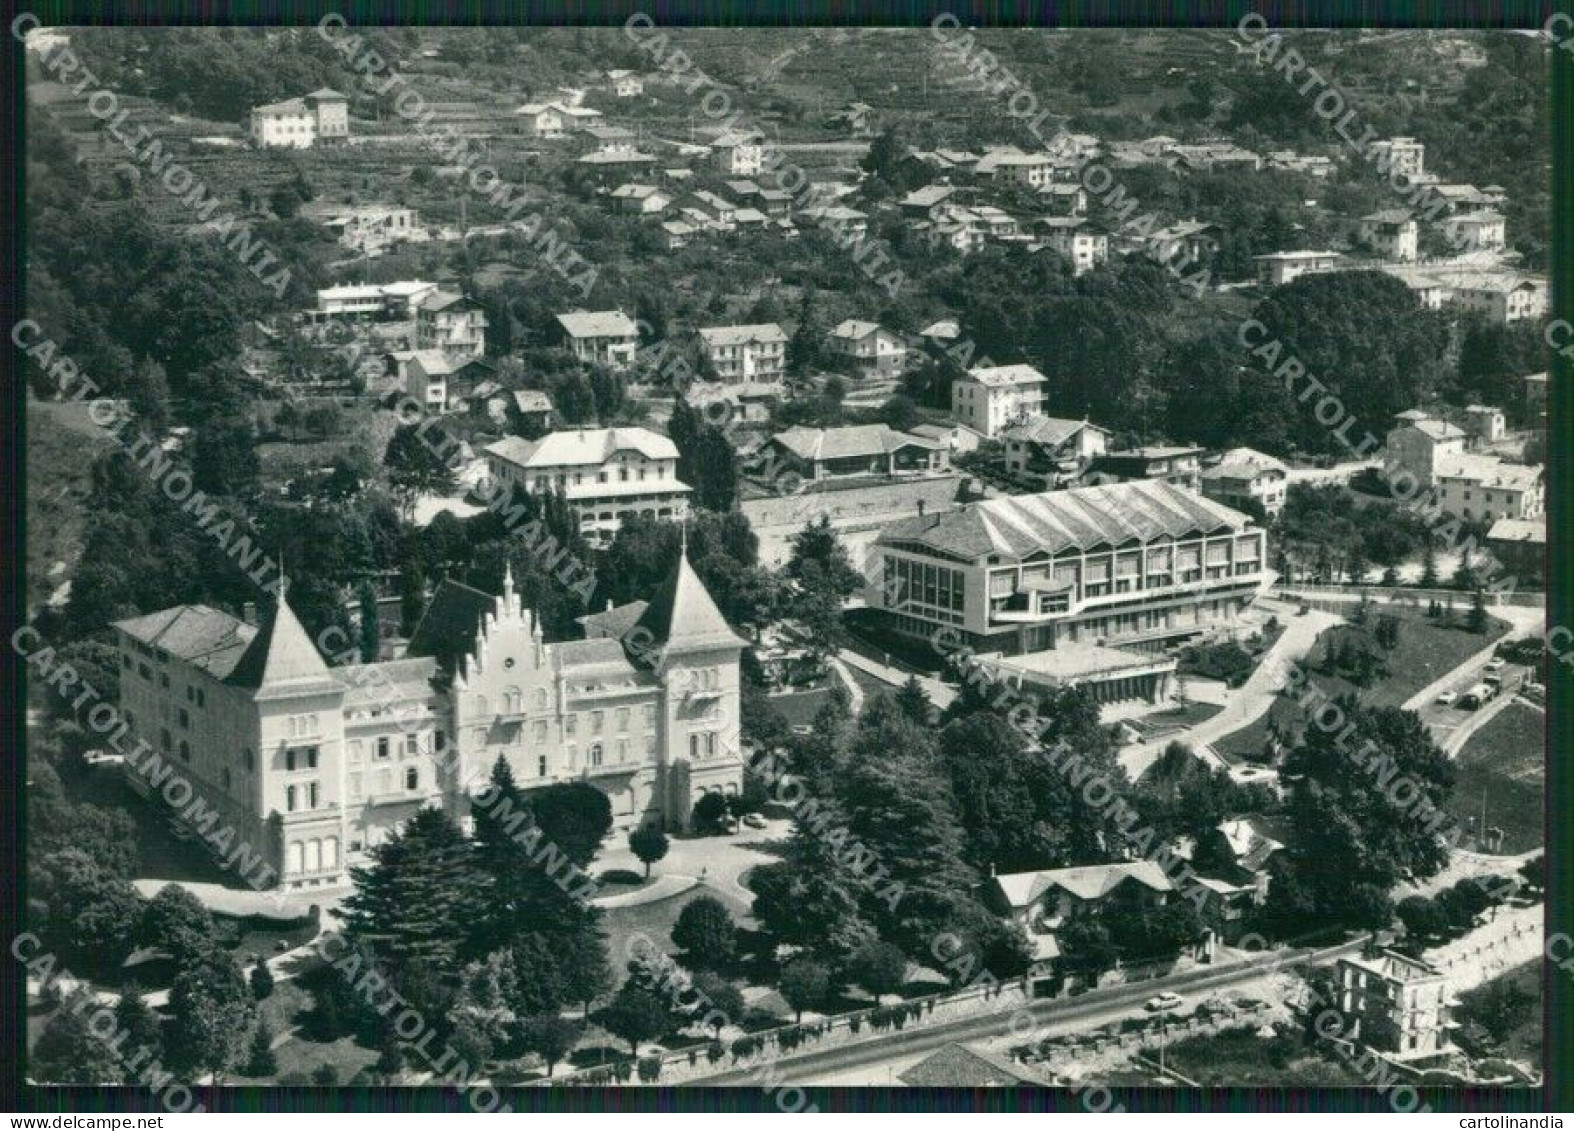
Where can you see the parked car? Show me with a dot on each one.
(1168, 1000)
(1495, 664)
(754, 820)
(1447, 699)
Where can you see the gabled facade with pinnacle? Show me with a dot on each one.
(308, 766)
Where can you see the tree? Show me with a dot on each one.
(1387, 632)
(914, 702)
(649, 844)
(879, 968)
(140, 1025)
(1534, 872)
(1476, 621)
(550, 1036)
(261, 980)
(414, 905)
(584, 967)
(91, 915)
(212, 1011)
(148, 394)
(1422, 917)
(805, 984)
(1428, 566)
(175, 922)
(1085, 940)
(415, 465)
(705, 931)
(805, 347)
(224, 461)
(710, 812)
(325, 1076)
(371, 636)
(575, 816)
(260, 1061)
(638, 1012)
(719, 1001)
(68, 1052)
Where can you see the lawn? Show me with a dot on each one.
(871, 685)
(800, 707)
(1505, 762)
(655, 921)
(1239, 1057)
(1426, 651)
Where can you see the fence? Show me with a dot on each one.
(1512, 938)
(760, 1052)
(1287, 590)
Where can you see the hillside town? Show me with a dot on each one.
(740, 557)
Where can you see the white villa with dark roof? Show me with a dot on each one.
(605, 474)
(1047, 586)
(304, 767)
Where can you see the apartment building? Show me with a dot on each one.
(1395, 1003)
(1420, 445)
(602, 337)
(305, 768)
(736, 155)
(453, 323)
(605, 474)
(1484, 489)
(756, 353)
(1247, 480)
(1402, 156)
(991, 398)
(300, 123)
(1078, 240)
(869, 348)
(1392, 234)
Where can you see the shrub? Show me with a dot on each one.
(649, 1069)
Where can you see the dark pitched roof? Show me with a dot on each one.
(204, 637)
(615, 622)
(682, 615)
(957, 1066)
(282, 660)
(447, 628)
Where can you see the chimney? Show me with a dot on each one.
(248, 612)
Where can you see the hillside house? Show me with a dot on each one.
(754, 353)
(1056, 450)
(603, 337)
(990, 398)
(453, 323)
(867, 348)
(1247, 480)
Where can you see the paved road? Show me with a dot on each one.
(1252, 699)
(873, 1056)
